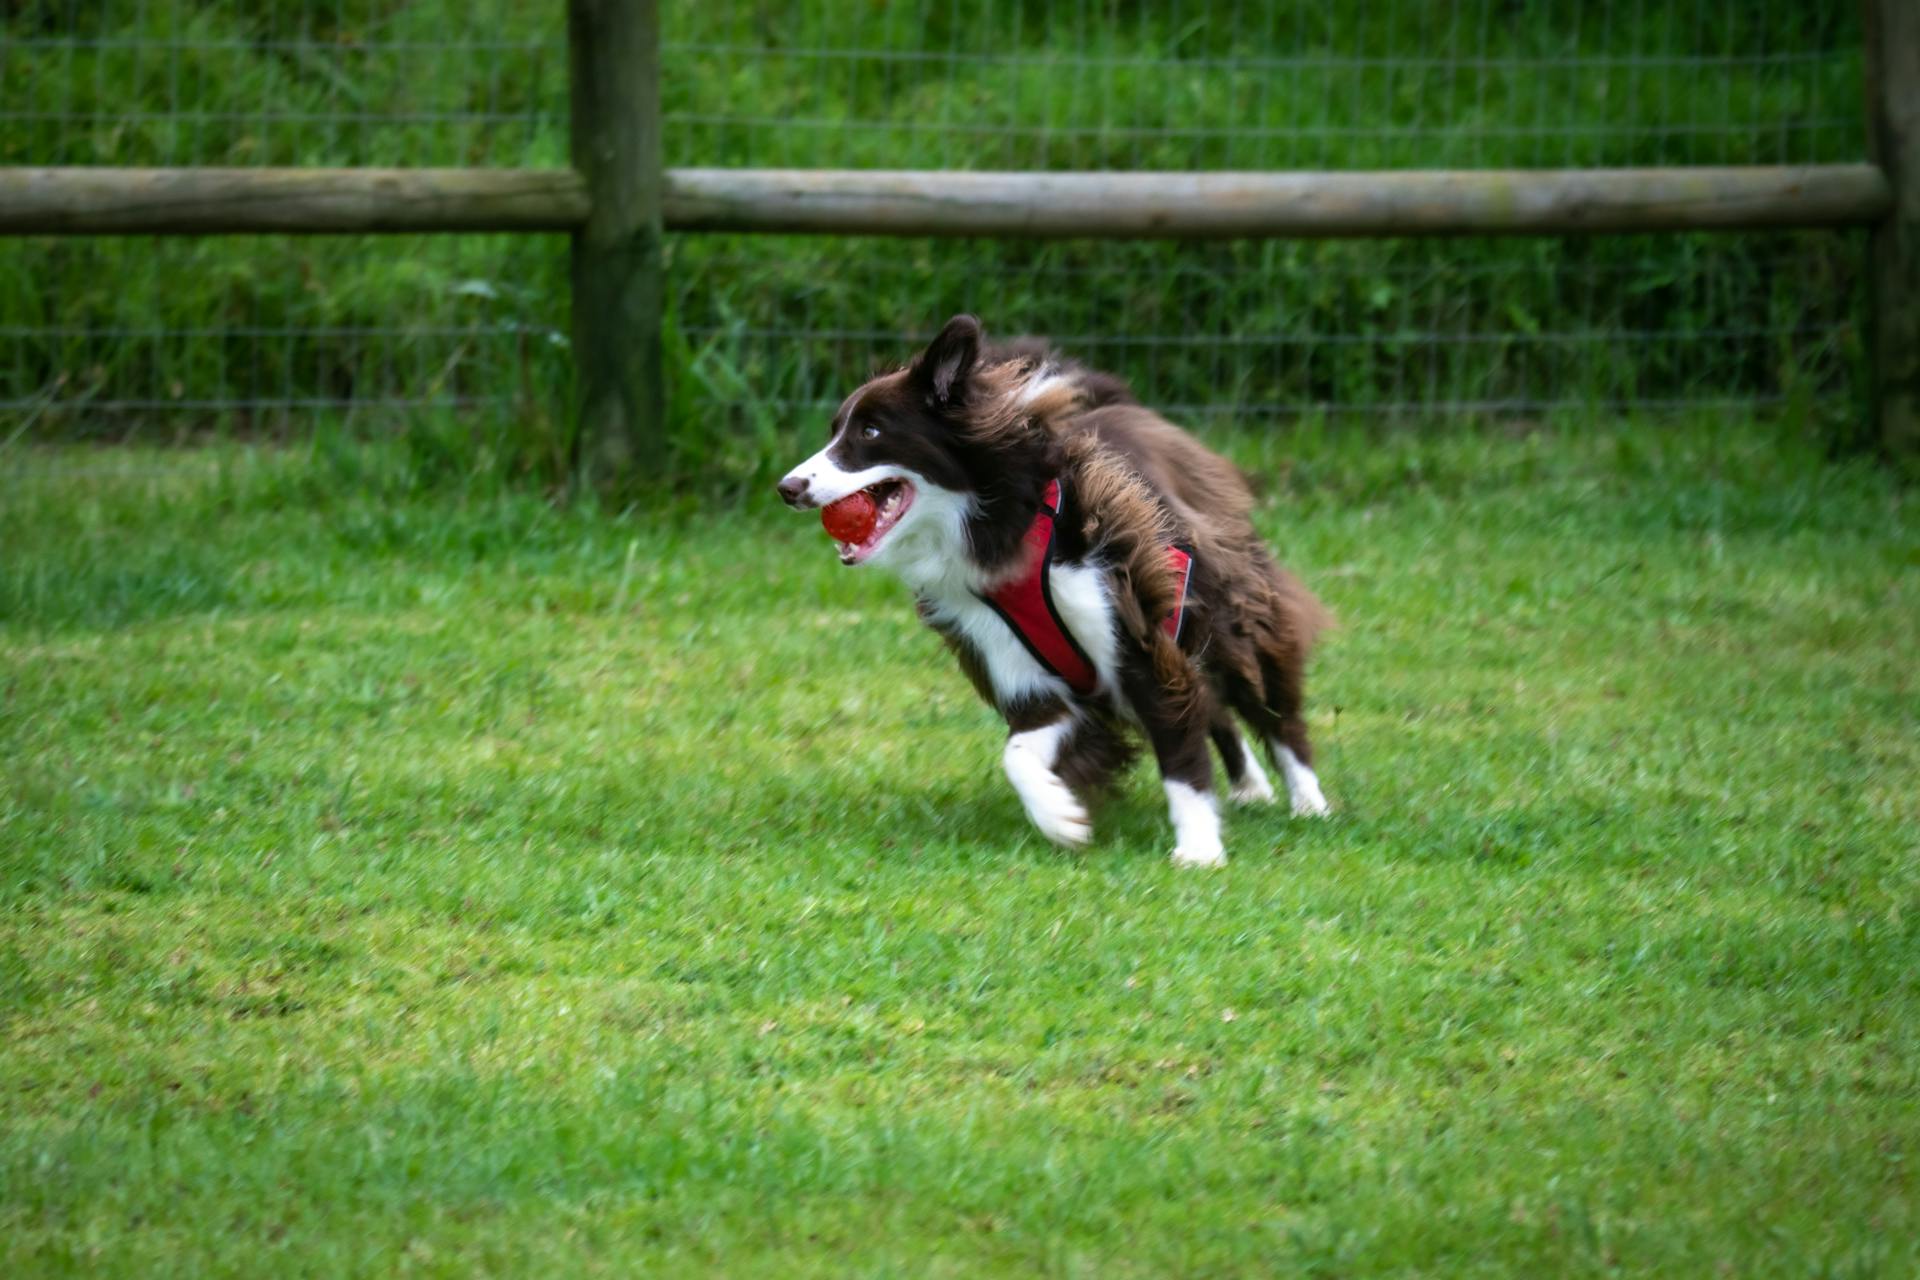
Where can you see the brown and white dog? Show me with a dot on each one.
(1092, 566)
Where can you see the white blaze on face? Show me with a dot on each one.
(828, 482)
(890, 490)
(919, 527)
(823, 480)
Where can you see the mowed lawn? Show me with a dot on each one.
(452, 884)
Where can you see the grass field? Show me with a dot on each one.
(402, 878)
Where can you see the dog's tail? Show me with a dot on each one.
(1307, 618)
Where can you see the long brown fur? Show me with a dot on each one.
(1142, 483)
(996, 423)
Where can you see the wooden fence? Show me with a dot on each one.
(617, 201)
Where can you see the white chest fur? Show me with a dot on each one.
(930, 557)
(1080, 594)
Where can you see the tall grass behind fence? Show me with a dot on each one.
(160, 336)
(765, 333)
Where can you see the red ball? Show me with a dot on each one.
(851, 519)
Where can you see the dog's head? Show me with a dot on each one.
(900, 439)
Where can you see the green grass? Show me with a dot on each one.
(397, 876)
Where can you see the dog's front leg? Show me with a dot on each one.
(1176, 721)
(1033, 751)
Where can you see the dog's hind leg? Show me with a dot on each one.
(1285, 729)
(1031, 758)
(1303, 784)
(1267, 692)
(1246, 780)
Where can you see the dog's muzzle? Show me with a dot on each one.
(793, 491)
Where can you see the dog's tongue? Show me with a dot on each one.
(851, 519)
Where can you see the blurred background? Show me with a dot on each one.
(459, 341)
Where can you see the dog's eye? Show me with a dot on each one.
(869, 432)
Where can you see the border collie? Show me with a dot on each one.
(1094, 569)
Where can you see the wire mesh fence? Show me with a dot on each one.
(1024, 84)
(253, 333)
(261, 333)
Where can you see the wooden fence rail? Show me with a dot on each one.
(917, 203)
(617, 200)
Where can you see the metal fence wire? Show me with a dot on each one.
(157, 335)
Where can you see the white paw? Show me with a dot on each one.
(1253, 787)
(1195, 853)
(1303, 785)
(1059, 815)
(1048, 801)
(1196, 826)
(1311, 805)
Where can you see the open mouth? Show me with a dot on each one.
(886, 501)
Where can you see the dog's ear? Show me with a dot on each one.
(942, 370)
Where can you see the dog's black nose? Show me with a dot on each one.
(793, 489)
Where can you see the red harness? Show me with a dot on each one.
(1026, 603)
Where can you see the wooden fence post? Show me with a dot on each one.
(1893, 259)
(614, 68)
